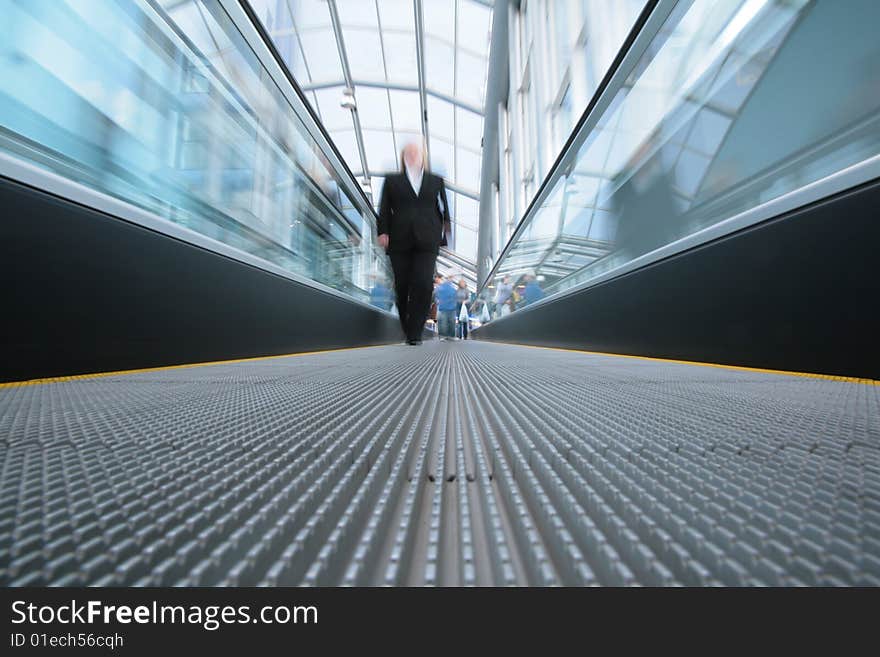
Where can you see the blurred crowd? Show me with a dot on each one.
(456, 309)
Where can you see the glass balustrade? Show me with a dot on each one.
(730, 105)
(164, 105)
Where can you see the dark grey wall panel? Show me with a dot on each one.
(85, 292)
(800, 292)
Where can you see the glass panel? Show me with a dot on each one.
(701, 132)
(442, 161)
(346, 143)
(709, 128)
(291, 53)
(358, 13)
(565, 30)
(440, 114)
(322, 55)
(118, 101)
(309, 14)
(333, 115)
(467, 169)
(397, 15)
(380, 150)
(469, 127)
(584, 38)
(405, 110)
(372, 107)
(364, 54)
(439, 71)
(400, 57)
(562, 120)
(465, 241)
(466, 211)
(439, 19)
(470, 78)
(577, 222)
(602, 227)
(274, 14)
(474, 21)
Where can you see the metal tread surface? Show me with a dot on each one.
(456, 463)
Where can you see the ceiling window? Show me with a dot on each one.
(372, 46)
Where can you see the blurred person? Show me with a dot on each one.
(463, 322)
(432, 313)
(480, 310)
(413, 225)
(514, 300)
(485, 315)
(502, 294)
(462, 301)
(380, 294)
(533, 291)
(462, 294)
(445, 295)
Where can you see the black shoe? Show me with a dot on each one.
(414, 343)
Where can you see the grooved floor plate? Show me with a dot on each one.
(452, 463)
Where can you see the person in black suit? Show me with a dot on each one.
(413, 225)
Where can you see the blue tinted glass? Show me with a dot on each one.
(732, 104)
(171, 111)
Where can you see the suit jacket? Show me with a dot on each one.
(414, 222)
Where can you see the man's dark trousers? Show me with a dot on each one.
(413, 284)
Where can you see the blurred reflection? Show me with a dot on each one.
(380, 293)
(502, 296)
(533, 291)
(646, 212)
(163, 105)
(445, 295)
(462, 309)
(734, 103)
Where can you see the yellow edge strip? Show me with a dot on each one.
(810, 375)
(81, 377)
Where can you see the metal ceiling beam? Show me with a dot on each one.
(171, 6)
(453, 263)
(457, 102)
(395, 145)
(346, 72)
(454, 236)
(489, 239)
(458, 189)
(451, 187)
(396, 86)
(457, 258)
(420, 65)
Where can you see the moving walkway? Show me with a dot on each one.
(197, 390)
(459, 463)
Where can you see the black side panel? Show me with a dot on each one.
(85, 292)
(800, 292)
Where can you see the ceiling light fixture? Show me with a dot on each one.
(348, 101)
